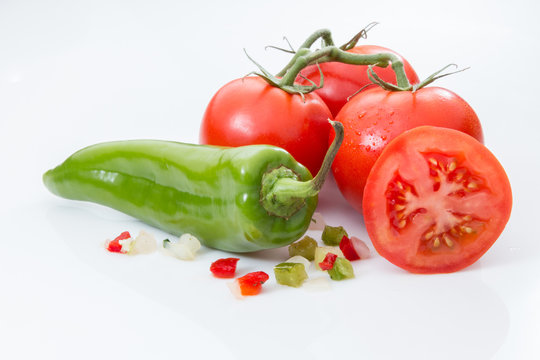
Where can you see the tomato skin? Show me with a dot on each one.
(343, 80)
(481, 213)
(376, 116)
(250, 111)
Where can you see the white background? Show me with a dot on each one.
(73, 73)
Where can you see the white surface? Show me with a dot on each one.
(73, 73)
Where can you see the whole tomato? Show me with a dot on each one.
(343, 80)
(374, 117)
(250, 111)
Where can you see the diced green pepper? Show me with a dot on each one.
(290, 274)
(332, 235)
(305, 247)
(342, 270)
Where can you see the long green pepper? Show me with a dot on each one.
(239, 199)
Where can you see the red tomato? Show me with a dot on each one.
(435, 200)
(343, 80)
(376, 116)
(250, 111)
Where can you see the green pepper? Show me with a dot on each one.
(239, 199)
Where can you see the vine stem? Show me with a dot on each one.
(323, 34)
(333, 53)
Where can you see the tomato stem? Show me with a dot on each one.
(333, 53)
(304, 57)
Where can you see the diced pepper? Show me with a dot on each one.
(321, 251)
(305, 247)
(290, 274)
(224, 268)
(341, 270)
(348, 249)
(116, 244)
(328, 262)
(251, 284)
(332, 235)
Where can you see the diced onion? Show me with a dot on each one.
(190, 241)
(234, 287)
(144, 243)
(361, 248)
(184, 248)
(300, 260)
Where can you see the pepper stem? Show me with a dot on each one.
(282, 194)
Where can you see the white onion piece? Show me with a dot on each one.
(234, 287)
(127, 245)
(300, 260)
(144, 243)
(190, 241)
(317, 222)
(185, 248)
(360, 247)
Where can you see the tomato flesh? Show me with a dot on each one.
(435, 200)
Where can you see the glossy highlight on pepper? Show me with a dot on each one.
(239, 199)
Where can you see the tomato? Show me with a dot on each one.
(343, 80)
(435, 200)
(250, 111)
(376, 116)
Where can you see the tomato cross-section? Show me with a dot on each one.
(436, 200)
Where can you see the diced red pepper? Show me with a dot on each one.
(251, 284)
(114, 245)
(224, 268)
(348, 249)
(123, 236)
(328, 262)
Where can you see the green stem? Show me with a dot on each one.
(323, 34)
(282, 194)
(332, 53)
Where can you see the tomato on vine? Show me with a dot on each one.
(374, 117)
(277, 110)
(251, 111)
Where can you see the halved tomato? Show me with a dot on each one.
(435, 200)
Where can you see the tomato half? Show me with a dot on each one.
(435, 200)
(343, 80)
(376, 116)
(250, 111)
